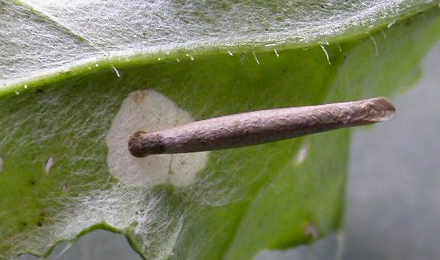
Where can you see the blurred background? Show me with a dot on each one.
(393, 192)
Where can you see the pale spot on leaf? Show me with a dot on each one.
(49, 163)
(302, 154)
(150, 111)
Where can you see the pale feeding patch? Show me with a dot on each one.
(151, 111)
(48, 164)
(302, 154)
(1, 163)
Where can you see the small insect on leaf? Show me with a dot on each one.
(259, 127)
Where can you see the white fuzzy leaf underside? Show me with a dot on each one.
(42, 36)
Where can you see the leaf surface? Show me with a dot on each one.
(56, 179)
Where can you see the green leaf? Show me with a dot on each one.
(60, 175)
